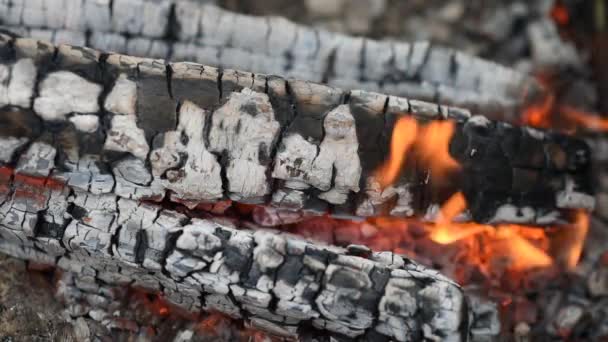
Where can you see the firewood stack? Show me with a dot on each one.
(99, 152)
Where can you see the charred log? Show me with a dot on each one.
(207, 34)
(279, 283)
(143, 129)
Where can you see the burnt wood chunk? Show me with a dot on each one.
(155, 101)
(195, 83)
(190, 30)
(312, 102)
(198, 135)
(80, 60)
(268, 278)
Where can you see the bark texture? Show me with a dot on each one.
(144, 129)
(279, 283)
(197, 31)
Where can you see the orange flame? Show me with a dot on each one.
(212, 322)
(433, 148)
(154, 302)
(588, 120)
(404, 136)
(520, 247)
(569, 241)
(549, 114)
(509, 242)
(446, 232)
(452, 207)
(429, 144)
(539, 115)
(581, 228)
(505, 242)
(516, 243)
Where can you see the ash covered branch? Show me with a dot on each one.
(279, 283)
(146, 130)
(191, 31)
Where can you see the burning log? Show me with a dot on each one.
(191, 31)
(279, 283)
(145, 130)
(534, 274)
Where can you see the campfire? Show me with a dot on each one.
(377, 190)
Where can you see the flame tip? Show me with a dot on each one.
(427, 144)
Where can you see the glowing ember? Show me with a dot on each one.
(560, 14)
(539, 115)
(153, 302)
(428, 143)
(212, 323)
(252, 335)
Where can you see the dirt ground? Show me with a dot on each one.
(28, 309)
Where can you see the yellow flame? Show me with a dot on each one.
(577, 235)
(428, 143)
(522, 254)
(404, 136)
(591, 121)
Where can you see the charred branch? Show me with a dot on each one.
(209, 35)
(110, 126)
(277, 282)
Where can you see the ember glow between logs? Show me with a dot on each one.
(522, 247)
(212, 324)
(494, 251)
(486, 247)
(538, 115)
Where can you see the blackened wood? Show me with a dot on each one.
(277, 282)
(194, 134)
(207, 34)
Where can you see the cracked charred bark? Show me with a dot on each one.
(278, 282)
(85, 136)
(194, 31)
(146, 130)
